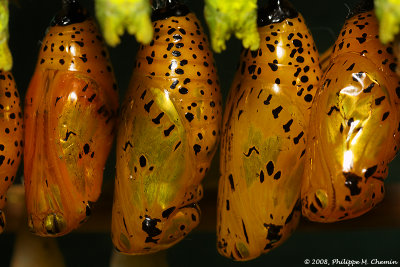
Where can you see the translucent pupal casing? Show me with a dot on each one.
(11, 137)
(354, 129)
(168, 134)
(70, 114)
(264, 137)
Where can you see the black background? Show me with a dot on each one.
(28, 22)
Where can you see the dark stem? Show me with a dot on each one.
(275, 12)
(71, 12)
(67, 3)
(163, 9)
(158, 4)
(362, 6)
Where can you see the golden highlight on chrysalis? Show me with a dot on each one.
(168, 134)
(264, 136)
(70, 114)
(354, 132)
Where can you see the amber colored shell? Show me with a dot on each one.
(11, 137)
(168, 134)
(354, 130)
(264, 140)
(70, 113)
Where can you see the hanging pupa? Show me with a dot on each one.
(264, 136)
(70, 114)
(11, 123)
(168, 134)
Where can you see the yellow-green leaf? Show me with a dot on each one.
(116, 16)
(5, 54)
(225, 17)
(388, 14)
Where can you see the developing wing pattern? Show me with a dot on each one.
(354, 132)
(70, 113)
(168, 134)
(264, 136)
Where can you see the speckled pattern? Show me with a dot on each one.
(11, 137)
(354, 132)
(264, 140)
(169, 131)
(70, 114)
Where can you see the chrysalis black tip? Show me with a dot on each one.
(172, 8)
(71, 12)
(276, 11)
(362, 7)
